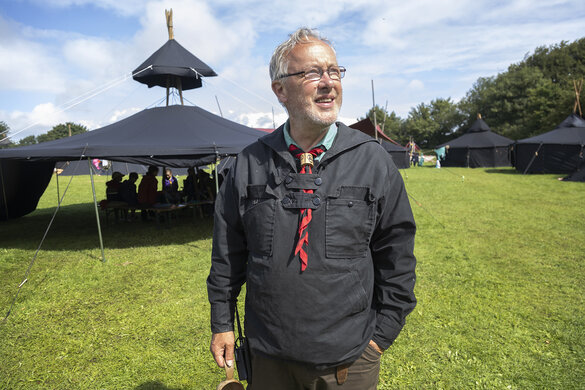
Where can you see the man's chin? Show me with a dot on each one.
(324, 120)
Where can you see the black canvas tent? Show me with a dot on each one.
(173, 136)
(398, 153)
(578, 175)
(558, 151)
(478, 147)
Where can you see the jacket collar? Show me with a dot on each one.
(347, 138)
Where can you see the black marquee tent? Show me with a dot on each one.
(558, 151)
(478, 147)
(399, 154)
(173, 136)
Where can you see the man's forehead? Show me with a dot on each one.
(312, 51)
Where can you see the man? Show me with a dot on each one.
(326, 251)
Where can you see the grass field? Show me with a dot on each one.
(501, 287)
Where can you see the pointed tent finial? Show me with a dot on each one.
(169, 17)
(478, 116)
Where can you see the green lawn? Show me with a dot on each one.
(500, 288)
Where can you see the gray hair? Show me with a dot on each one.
(279, 62)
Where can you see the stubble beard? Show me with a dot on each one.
(310, 115)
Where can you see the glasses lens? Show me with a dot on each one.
(334, 73)
(313, 74)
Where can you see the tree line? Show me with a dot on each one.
(529, 98)
(61, 130)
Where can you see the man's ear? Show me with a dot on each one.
(279, 90)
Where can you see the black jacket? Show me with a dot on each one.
(360, 277)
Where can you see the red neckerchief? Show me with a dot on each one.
(305, 214)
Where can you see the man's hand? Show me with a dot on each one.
(376, 347)
(222, 348)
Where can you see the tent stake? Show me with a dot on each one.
(97, 215)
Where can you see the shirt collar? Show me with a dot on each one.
(327, 140)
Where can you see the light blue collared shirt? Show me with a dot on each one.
(327, 140)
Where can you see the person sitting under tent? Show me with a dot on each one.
(113, 186)
(204, 186)
(127, 193)
(189, 185)
(147, 190)
(204, 191)
(171, 188)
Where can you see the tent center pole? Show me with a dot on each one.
(97, 215)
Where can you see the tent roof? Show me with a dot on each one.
(174, 135)
(366, 126)
(478, 126)
(172, 59)
(479, 135)
(571, 131)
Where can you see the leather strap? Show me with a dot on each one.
(341, 374)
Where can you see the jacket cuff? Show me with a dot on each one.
(386, 332)
(222, 318)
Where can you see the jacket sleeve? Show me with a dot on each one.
(392, 249)
(228, 257)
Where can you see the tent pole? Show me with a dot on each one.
(374, 112)
(532, 159)
(180, 88)
(168, 89)
(4, 191)
(216, 167)
(58, 193)
(97, 215)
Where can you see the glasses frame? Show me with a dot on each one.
(342, 71)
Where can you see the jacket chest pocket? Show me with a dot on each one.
(258, 219)
(349, 221)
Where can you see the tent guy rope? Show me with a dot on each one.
(25, 279)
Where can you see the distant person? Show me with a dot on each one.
(127, 193)
(127, 190)
(189, 185)
(171, 188)
(113, 186)
(204, 186)
(147, 190)
(415, 158)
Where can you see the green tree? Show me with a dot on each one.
(29, 140)
(531, 97)
(389, 123)
(62, 131)
(432, 124)
(4, 141)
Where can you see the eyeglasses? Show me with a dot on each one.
(314, 74)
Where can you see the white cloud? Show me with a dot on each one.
(414, 51)
(416, 85)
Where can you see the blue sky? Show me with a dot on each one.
(70, 60)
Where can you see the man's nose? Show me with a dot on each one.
(326, 81)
